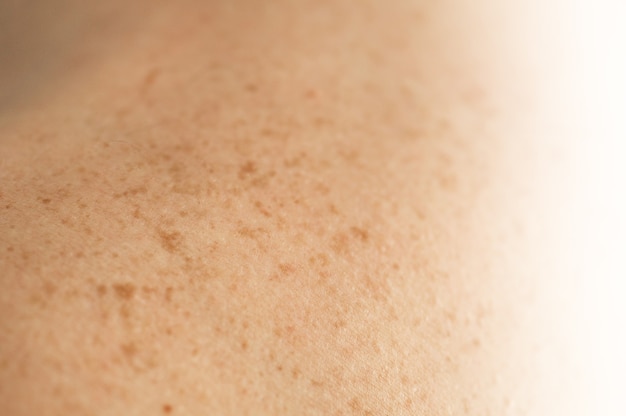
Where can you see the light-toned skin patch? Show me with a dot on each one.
(288, 207)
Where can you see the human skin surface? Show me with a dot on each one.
(280, 208)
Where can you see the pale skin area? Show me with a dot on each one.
(308, 208)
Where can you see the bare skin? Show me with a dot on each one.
(301, 208)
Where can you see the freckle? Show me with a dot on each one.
(340, 243)
(317, 383)
(247, 169)
(182, 213)
(49, 288)
(124, 291)
(45, 200)
(448, 182)
(168, 294)
(259, 206)
(321, 122)
(171, 241)
(149, 79)
(244, 345)
(10, 249)
(409, 402)
(360, 233)
(101, 290)
(295, 373)
(251, 87)
(395, 266)
(129, 350)
(286, 268)
(339, 324)
(125, 312)
(267, 132)
(167, 408)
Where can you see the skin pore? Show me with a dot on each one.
(287, 207)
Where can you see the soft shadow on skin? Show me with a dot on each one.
(45, 44)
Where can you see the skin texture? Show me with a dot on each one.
(287, 207)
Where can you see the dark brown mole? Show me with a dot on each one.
(125, 291)
(167, 408)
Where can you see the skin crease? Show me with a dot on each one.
(287, 207)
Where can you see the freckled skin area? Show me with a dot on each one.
(295, 208)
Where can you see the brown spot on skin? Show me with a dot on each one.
(132, 192)
(101, 290)
(247, 169)
(448, 181)
(357, 407)
(49, 289)
(129, 350)
(171, 241)
(167, 408)
(287, 268)
(125, 312)
(295, 373)
(45, 200)
(340, 243)
(264, 179)
(259, 206)
(317, 383)
(249, 232)
(360, 233)
(124, 291)
(168, 294)
(244, 345)
(251, 87)
(149, 79)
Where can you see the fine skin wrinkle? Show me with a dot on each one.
(288, 207)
